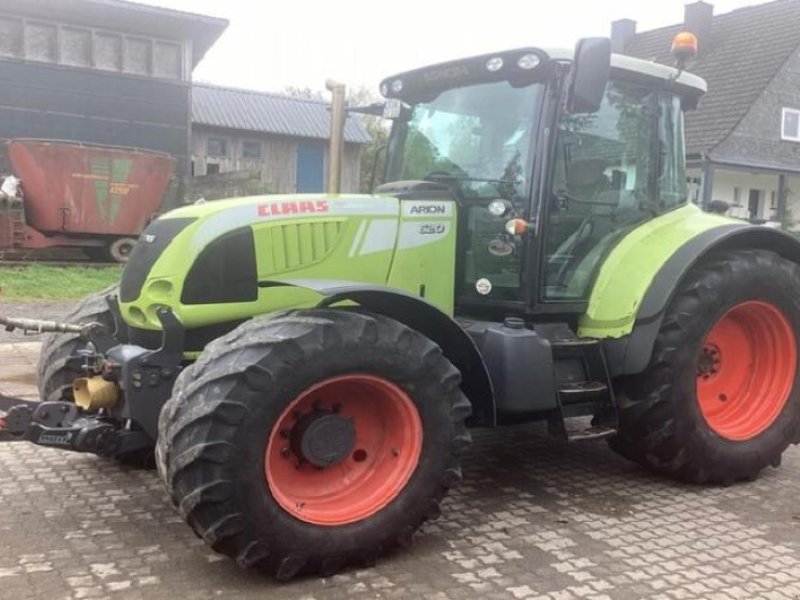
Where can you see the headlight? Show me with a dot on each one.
(528, 61)
(397, 86)
(497, 208)
(494, 64)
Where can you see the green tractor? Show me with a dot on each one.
(307, 367)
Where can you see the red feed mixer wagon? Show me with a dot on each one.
(97, 198)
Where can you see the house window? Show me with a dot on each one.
(791, 125)
(108, 51)
(10, 37)
(217, 147)
(40, 42)
(772, 199)
(167, 63)
(212, 169)
(76, 47)
(252, 150)
(737, 196)
(138, 54)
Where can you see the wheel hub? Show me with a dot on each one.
(333, 464)
(708, 363)
(323, 438)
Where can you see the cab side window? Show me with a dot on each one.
(603, 176)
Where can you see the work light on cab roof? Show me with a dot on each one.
(684, 48)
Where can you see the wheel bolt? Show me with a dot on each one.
(285, 452)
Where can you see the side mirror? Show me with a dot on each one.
(590, 70)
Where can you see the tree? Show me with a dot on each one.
(305, 93)
(373, 154)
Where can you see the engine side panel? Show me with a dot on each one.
(376, 240)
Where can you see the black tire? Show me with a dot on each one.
(213, 435)
(54, 379)
(119, 250)
(115, 250)
(662, 426)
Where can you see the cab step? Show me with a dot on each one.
(582, 391)
(595, 432)
(583, 387)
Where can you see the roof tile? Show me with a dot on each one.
(747, 49)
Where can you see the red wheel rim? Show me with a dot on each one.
(746, 370)
(388, 444)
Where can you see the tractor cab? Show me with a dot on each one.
(551, 159)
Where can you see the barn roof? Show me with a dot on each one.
(267, 112)
(746, 51)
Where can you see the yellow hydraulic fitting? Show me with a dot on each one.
(93, 393)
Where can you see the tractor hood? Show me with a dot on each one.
(217, 262)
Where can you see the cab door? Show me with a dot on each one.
(602, 184)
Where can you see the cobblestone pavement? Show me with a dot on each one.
(534, 519)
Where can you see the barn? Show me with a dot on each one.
(101, 71)
(282, 139)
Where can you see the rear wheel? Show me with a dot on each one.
(720, 400)
(313, 440)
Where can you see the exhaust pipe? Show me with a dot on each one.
(338, 117)
(94, 393)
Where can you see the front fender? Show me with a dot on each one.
(416, 313)
(630, 268)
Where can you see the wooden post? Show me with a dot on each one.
(338, 116)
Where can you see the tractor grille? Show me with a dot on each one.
(292, 246)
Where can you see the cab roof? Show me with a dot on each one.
(473, 69)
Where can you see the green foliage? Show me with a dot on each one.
(373, 154)
(305, 93)
(38, 282)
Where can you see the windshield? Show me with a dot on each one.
(476, 138)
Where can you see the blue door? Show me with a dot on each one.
(310, 167)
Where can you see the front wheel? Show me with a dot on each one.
(311, 440)
(720, 399)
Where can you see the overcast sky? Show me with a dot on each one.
(271, 44)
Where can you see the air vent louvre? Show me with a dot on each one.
(296, 245)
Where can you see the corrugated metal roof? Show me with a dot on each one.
(269, 113)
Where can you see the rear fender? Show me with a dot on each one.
(416, 313)
(631, 354)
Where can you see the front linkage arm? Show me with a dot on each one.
(143, 379)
